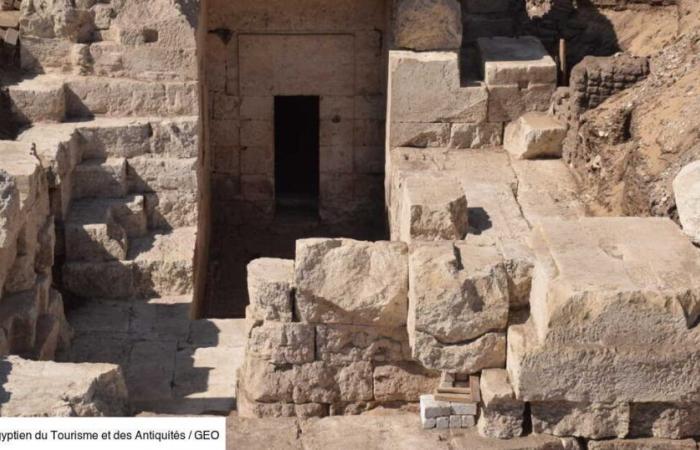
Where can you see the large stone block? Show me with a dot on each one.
(426, 87)
(433, 209)
(458, 292)
(270, 284)
(585, 420)
(487, 351)
(100, 178)
(502, 414)
(664, 420)
(428, 24)
(534, 135)
(403, 381)
(509, 101)
(342, 344)
(40, 389)
(282, 343)
(344, 281)
(686, 190)
(481, 135)
(520, 61)
(419, 135)
(39, 100)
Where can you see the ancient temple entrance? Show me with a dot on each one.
(296, 154)
(295, 132)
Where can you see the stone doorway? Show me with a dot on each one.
(321, 60)
(296, 155)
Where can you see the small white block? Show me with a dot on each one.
(430, 408)
(468, 421)
(442, 423)
(463, 408)
(11, 36)
(428, 423)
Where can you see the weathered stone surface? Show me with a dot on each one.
(516, 61)
(403, 381)
(458, 293)
(351, 282)
(341, 344)
(686, 190)
(502, 414)
(642, 444)
(39, 100)
(484, 352)
(433, 209)
(279, 434)
(481, 135)
(62, 389)
(100, 178)
(270, 284)
(155, 174)
(664, 420)
(428, 25)
(420, 135)
(509, 101)
(586, 420)
(282, 343)
(425, 88)
(534, 135)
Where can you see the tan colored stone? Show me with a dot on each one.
(282, 343)
(428, 24)
(642, 444)
(586, 420)
(420, 135)
(39, 100)
(270, 284)
(351, 282)
(481, 135)
(534, 135)
(484, 352)
(520, 61)
(664, 420)
(403, 381)
(686, 190)
(342, 344)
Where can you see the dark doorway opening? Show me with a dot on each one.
(297, 154)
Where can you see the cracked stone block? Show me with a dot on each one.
(433, 209)
(282, 343)
(43, 388)
(270, 285)
(520, 61)
(502, 414)
(343, 281)
(403, 381)
(341, 344)
(686, 190)
(534, 135)
(481, 135)
(425, 88)
(454, 330)
(664, 420)
(428, 24)
(586, 420)
(604, 284)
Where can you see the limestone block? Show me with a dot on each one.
(432, 409)
(342, 344)
(426, 88)
(100, 178)
(487, 351)
(520, 61)
(113, 279)
(42, 388)
(502, 414)
(686, 190)
(420, 135)
(282, 343)
(40, 99)
(150, 174)
(317, 382)
(458, 292)
(403, 381)
(95, 241)
(351, 282)
(115, 137)
(508, 102)
(56, 19)
(175, 137)
(41, 55)
(469, 135)
(642, 444)
(428, 25)
(19, 313)
(664, 420)
(433, 208)
(587, 420)
(171, 209)
(534, 135)
(355, 382)
(270, 285)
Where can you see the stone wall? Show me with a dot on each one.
(335, 50)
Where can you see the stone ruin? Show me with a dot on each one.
(148, 144)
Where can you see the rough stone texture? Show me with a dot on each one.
(50, 389)
(433, 209)
(516, 61)
(632, 289)
(41, 100)
(403, 381)
(351, 282)
(642, 444)
(664, 420)
(270, 284)
(534, 135)
(482, 135)
(686, 190)
(586, 420)
(484, 352)
(342, 344)
(428, 25)
(502, 414)
(282, 343)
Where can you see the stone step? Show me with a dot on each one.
(39, 99)
(98, 178)
(159, 264)
(535, 135)
(44, 388)
(99, 229)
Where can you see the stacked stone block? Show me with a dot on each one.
(441, 414)
(327, 332)
(32, 321)
(9, 32)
